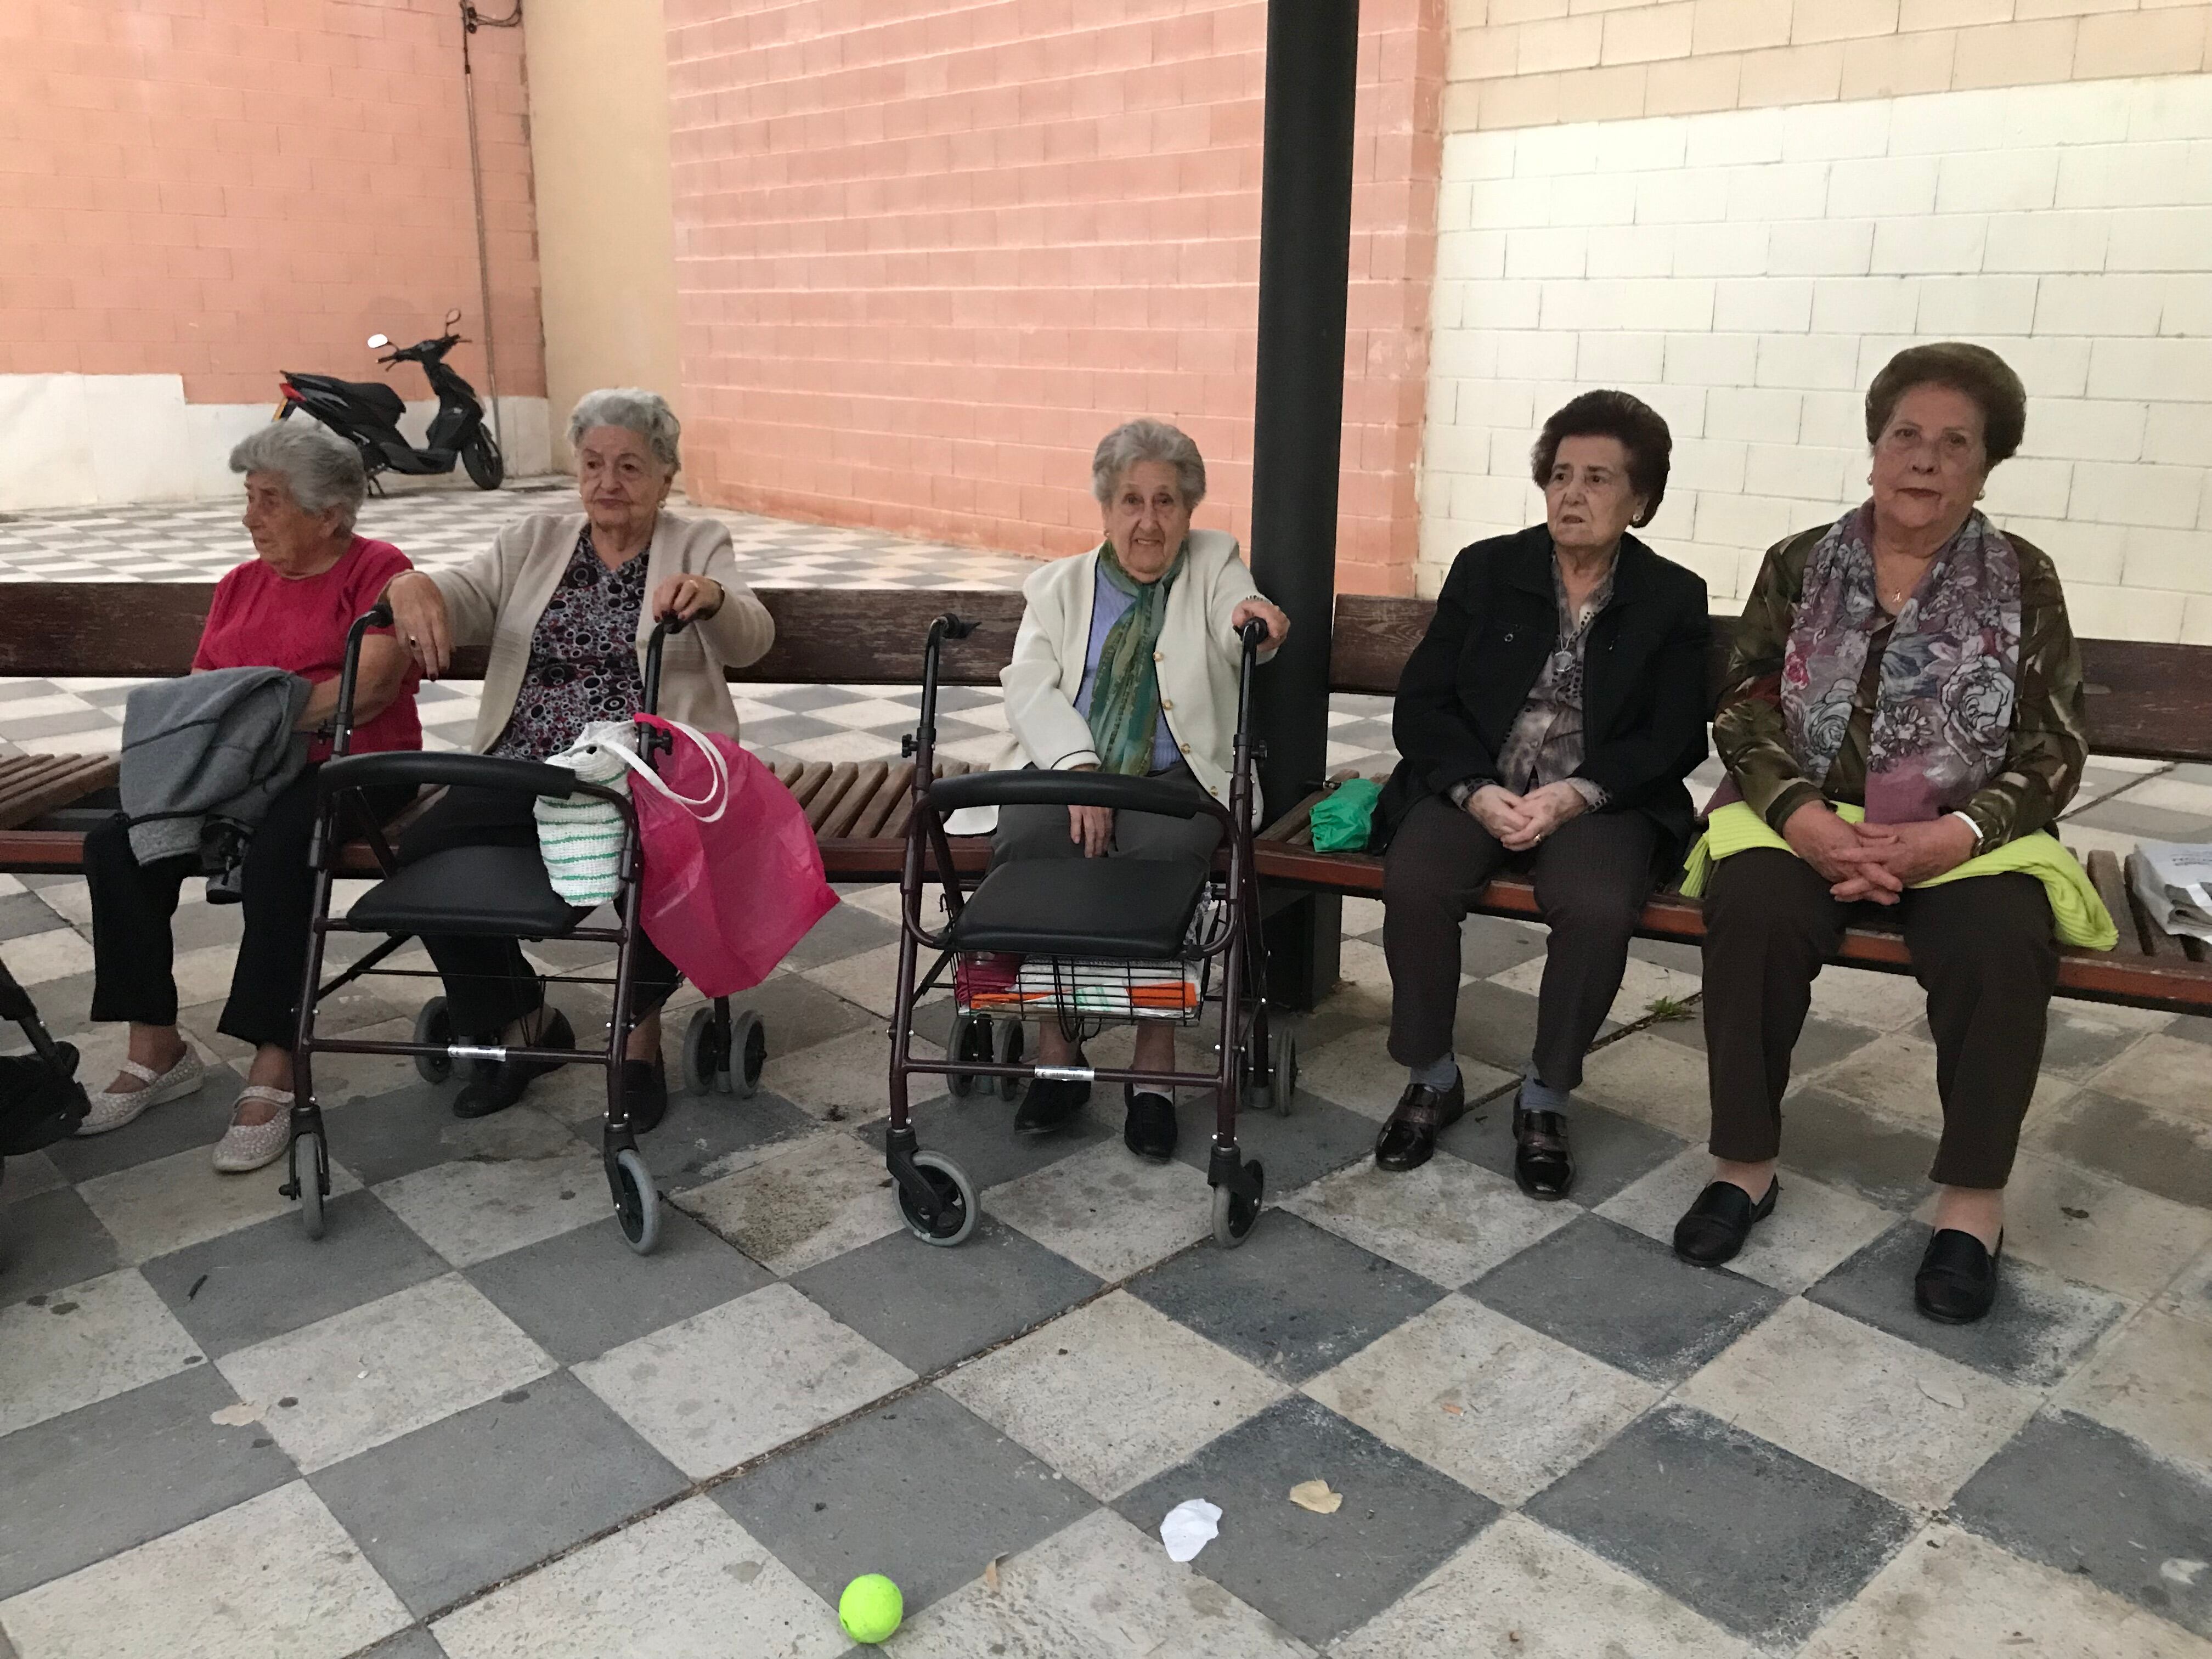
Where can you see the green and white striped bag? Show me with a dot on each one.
(580, 839)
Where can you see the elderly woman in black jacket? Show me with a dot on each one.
(1545, 723)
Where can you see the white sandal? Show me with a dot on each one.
(114, 1107)
(248, 1146)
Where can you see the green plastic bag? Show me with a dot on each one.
(1342, 819)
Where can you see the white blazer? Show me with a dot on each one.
(1196, 663)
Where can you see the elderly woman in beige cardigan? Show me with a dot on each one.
(1127, 660)
(566, 602)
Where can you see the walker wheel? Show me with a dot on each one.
(971, 1040)
(309, 1162)
(1233, 1216)
(637, 1203)
(434, 1029)
(702, 1063)
(1006, 1050)
(741, 1075)
(1282, 1069)
(958, 1212)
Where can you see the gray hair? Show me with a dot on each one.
(634, 410)
(320, 469)
(1148, 441)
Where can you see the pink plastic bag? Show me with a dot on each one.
(733, 876)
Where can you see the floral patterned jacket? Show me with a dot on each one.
(2043, 760)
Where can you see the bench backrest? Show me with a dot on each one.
(2147, 700)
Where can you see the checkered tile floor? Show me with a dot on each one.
(469, 1422)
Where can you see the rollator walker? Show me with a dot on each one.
(1100, 941)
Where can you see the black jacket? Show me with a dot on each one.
(1643, 701)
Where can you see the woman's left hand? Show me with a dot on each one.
(1908, 854)
(1279, 625)
(1544, 810)
(688, 597)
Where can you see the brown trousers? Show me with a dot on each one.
(1982, 949)
(1592, 877)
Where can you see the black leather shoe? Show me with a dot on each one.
(499, 1088)
(1047, 1105)
(1712, 1229)
(645, 1092)
(1957, 1283)
(1150, 1129)
(1409, 1139)
(1543, 1164)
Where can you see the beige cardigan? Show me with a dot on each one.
(1196, 662)
(496, 599)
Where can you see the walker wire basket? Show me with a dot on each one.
(1097, 991)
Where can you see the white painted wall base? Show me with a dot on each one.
(111, 440)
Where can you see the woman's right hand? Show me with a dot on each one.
(1499, 810)
(1834, 849)
(418, 616)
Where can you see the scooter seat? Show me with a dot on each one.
(378, 399)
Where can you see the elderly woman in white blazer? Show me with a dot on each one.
(1127, 660)
(566, 605)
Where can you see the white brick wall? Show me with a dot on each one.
(1747, 272)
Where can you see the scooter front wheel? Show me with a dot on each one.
(481, 456)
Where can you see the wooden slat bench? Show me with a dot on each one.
(2146, 700)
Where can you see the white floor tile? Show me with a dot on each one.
(1108, 1212)
(37, 958)
(2153, 1381)
(165, 1205)
(1356, 1071)
(1655, 1079)
(813, 1197)
(1813, 1228)
(848, 1074)
(470, 1212)
(1448, 1220)
(2097, 1231)
(83, 1344)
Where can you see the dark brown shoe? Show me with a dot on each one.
(1409, 1139)
(1543, 1164)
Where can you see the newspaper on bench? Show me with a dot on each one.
(2170, 877)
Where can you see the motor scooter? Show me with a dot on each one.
(367, 412)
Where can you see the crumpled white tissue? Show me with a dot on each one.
(1190, 1525)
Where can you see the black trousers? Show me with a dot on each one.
(134, 904)
(1982, 949)
(1592, 876)
(490, 984)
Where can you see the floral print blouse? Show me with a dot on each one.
(583, 657)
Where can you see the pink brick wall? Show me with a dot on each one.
(928, 252)
(222, 188)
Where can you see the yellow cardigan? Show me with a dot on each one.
(2080, 915)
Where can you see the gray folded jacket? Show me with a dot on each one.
(218, 745)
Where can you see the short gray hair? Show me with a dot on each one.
(634, 410)
(320, 469)
(1148, 441)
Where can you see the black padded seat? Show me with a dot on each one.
(381, 399)
(1121, 909)
(498, 892)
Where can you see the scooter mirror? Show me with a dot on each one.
(452, 316)
(377, 342)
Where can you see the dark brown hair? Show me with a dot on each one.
(1973, 371)
(1642, 432)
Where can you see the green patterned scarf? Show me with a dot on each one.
(1124, 697)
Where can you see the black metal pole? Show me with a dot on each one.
(1297, 439)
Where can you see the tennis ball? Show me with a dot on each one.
(871, 1608)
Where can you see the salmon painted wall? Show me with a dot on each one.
(927, 253)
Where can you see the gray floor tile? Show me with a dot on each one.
(264, 1281)
(845, 931)
(803, 698)
(581, 1292)
(1610, 1149)
(1758, 1540)
(2086, 1498)
(1317, 1576)
(176, 1126)
(22, 914)
(413, 1128)
(1839, 1142)
(93, 1482)
(1490, 945)
(922, 1490)
(1294, 1298)
(1318, 1138)
(1625, 1298)
(2195, 1028)
(927, 1308)
(1497, 1025)
(2041, 1327)
(417, 1644)
(2127, 818)
(547, 1464)
(799, 1013)
(696, 1141)
(787, 728)
(1670, 953)
(2141, 1146)
(978, 1134)
(50, 1240)
(1822, 1043)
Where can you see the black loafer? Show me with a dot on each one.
(645, 1093)
(1048, 1104)
(1712, 1229)
(1543, 1164)
(1150, 1129)
(1409, 1139)
(498, 1087)
(1957, 1283)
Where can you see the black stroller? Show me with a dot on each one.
(40, 1100)
(1100, 941)
(494, 892)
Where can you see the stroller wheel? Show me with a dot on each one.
(434, 1029)
(1233, 1216)
(1006, 1050)
(741, 1072)
(956, 1213)
(637, 1203)
(706, 1059)
(308, 1162)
